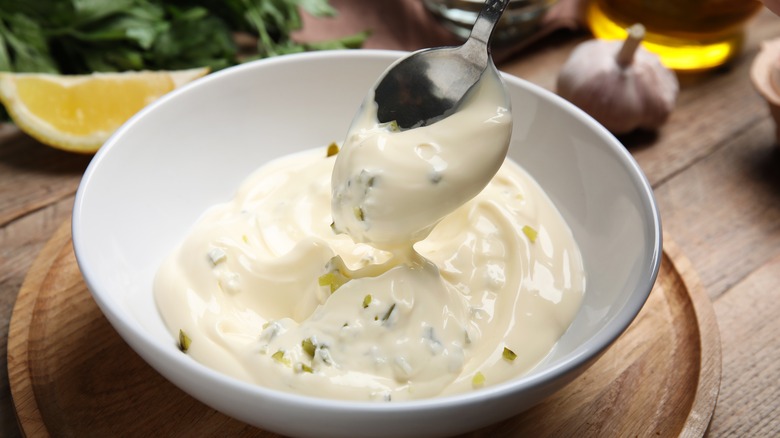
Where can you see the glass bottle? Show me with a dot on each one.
(688, 35)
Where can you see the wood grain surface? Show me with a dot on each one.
(714, 166)
(72, 375)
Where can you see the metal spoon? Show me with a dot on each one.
(429, 84)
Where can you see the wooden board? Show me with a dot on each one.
(72, 375)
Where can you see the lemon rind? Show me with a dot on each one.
(46, 133)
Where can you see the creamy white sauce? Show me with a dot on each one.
(495, 267)
(391, 188)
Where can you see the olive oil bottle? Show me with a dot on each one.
(688, 35)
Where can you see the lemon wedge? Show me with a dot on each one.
(78, 113)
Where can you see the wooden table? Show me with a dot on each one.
(715, 168)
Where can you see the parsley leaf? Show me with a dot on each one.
(82, 36)
(85, 36)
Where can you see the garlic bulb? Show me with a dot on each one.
(620, 84)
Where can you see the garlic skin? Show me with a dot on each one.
(765, 75)
(619, 83)
(772, 5)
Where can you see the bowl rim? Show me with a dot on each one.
(577, 359)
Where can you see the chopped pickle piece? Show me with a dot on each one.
(509, 354)
(530, 233)
(217, 255)
(367, 179)
(306, 369)
(270, 330)
(309, 347)
(184, 341)
(279, 357)
(337, 274)
(333, 149)
(478, 380)
(322, 355)
(245, 238)
(367, 301)
(332, 279)
(391, 126)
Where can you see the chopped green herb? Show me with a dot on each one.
(388, 313)
(366, 301)
(77, 36)
(333, 149)
(478, 380)
(308, 347)
(184, 341)
(367, 178)
(359, 213)
(434, 345)
(509, 354)
(530, 233)
(323, 355)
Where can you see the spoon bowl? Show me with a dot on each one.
(430, 84)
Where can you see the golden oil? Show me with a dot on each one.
(688, 35)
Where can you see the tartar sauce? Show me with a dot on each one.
(442, 268)
(390, 188)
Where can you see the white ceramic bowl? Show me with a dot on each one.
(191, 149)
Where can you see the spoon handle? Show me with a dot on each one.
(486, 21)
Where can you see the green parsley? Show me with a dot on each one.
(81, 37)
